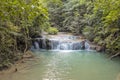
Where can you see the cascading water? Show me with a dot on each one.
(87, 46)
(69, 46)
(36, 45)
(61, 43)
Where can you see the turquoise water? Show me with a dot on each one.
(69, 65)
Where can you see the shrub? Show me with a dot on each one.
(52, 31)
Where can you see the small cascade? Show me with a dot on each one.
(53, 44)
(69, 46)
(36, 45)
(61, 43)
(87, 46)
(63, 46)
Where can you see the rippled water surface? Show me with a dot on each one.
(70, 65)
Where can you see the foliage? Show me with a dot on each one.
(52, 30)
(17, 19)
(98, 20)
(104, 22)
(55, 12)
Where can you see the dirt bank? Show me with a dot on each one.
(19, 65)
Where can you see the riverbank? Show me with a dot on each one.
(19, 65)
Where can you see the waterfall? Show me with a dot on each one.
(87, 46)
(61, 43)
(69, 46)
(36, 45)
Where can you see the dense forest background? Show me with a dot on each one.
(22, 20)
(97, 20)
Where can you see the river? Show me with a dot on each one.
(68, 63)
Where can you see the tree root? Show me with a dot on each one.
(113, 56)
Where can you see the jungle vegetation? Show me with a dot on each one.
(97, 20)
(22, 20)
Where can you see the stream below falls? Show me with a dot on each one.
(68, 63)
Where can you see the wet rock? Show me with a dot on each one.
(83, 45)
(28, 54)
(48, 44)
(93, 47)
(99, 49)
